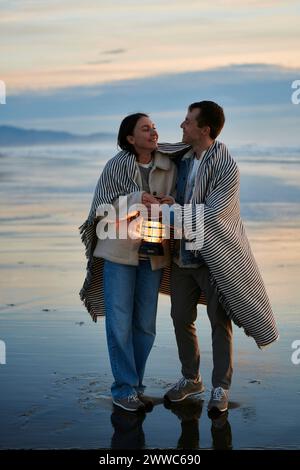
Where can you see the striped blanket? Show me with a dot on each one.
(226, 249)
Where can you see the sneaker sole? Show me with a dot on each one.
(140, 408)
(185, 396)
(149, 405)
(217, 409)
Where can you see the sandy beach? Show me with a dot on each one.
(55, 385)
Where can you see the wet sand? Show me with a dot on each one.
(55, 385)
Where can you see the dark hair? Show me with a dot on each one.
(211, 115)
(126, 128)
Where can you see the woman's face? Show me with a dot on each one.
(145, 136)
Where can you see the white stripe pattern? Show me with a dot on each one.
(226, 249)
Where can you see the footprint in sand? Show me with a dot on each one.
(28, 414)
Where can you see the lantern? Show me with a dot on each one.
(152, 233)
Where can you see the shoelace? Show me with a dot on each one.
(219, 393)
(181, 383)
(132, 398)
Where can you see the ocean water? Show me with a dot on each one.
(55, 384)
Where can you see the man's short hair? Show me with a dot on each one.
(211, 115)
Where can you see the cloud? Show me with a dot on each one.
(115, 51)
(256, 99)
(96, 62)
(45, 44)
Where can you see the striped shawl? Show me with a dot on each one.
(226, 250)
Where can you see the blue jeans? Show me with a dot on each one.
(131, 294)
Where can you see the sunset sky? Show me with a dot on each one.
(61, 43)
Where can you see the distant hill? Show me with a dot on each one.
(10, 135)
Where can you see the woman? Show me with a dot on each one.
(130, 281)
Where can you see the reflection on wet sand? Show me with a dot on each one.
(128, 429)
(129, 434)
(221, 432)
(188, 414)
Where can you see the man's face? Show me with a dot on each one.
(192, 134)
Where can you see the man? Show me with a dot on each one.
(224, 269)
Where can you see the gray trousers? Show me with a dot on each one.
(186, 286)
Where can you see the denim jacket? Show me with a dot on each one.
(182, 255)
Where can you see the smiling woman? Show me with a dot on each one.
(128, 281)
